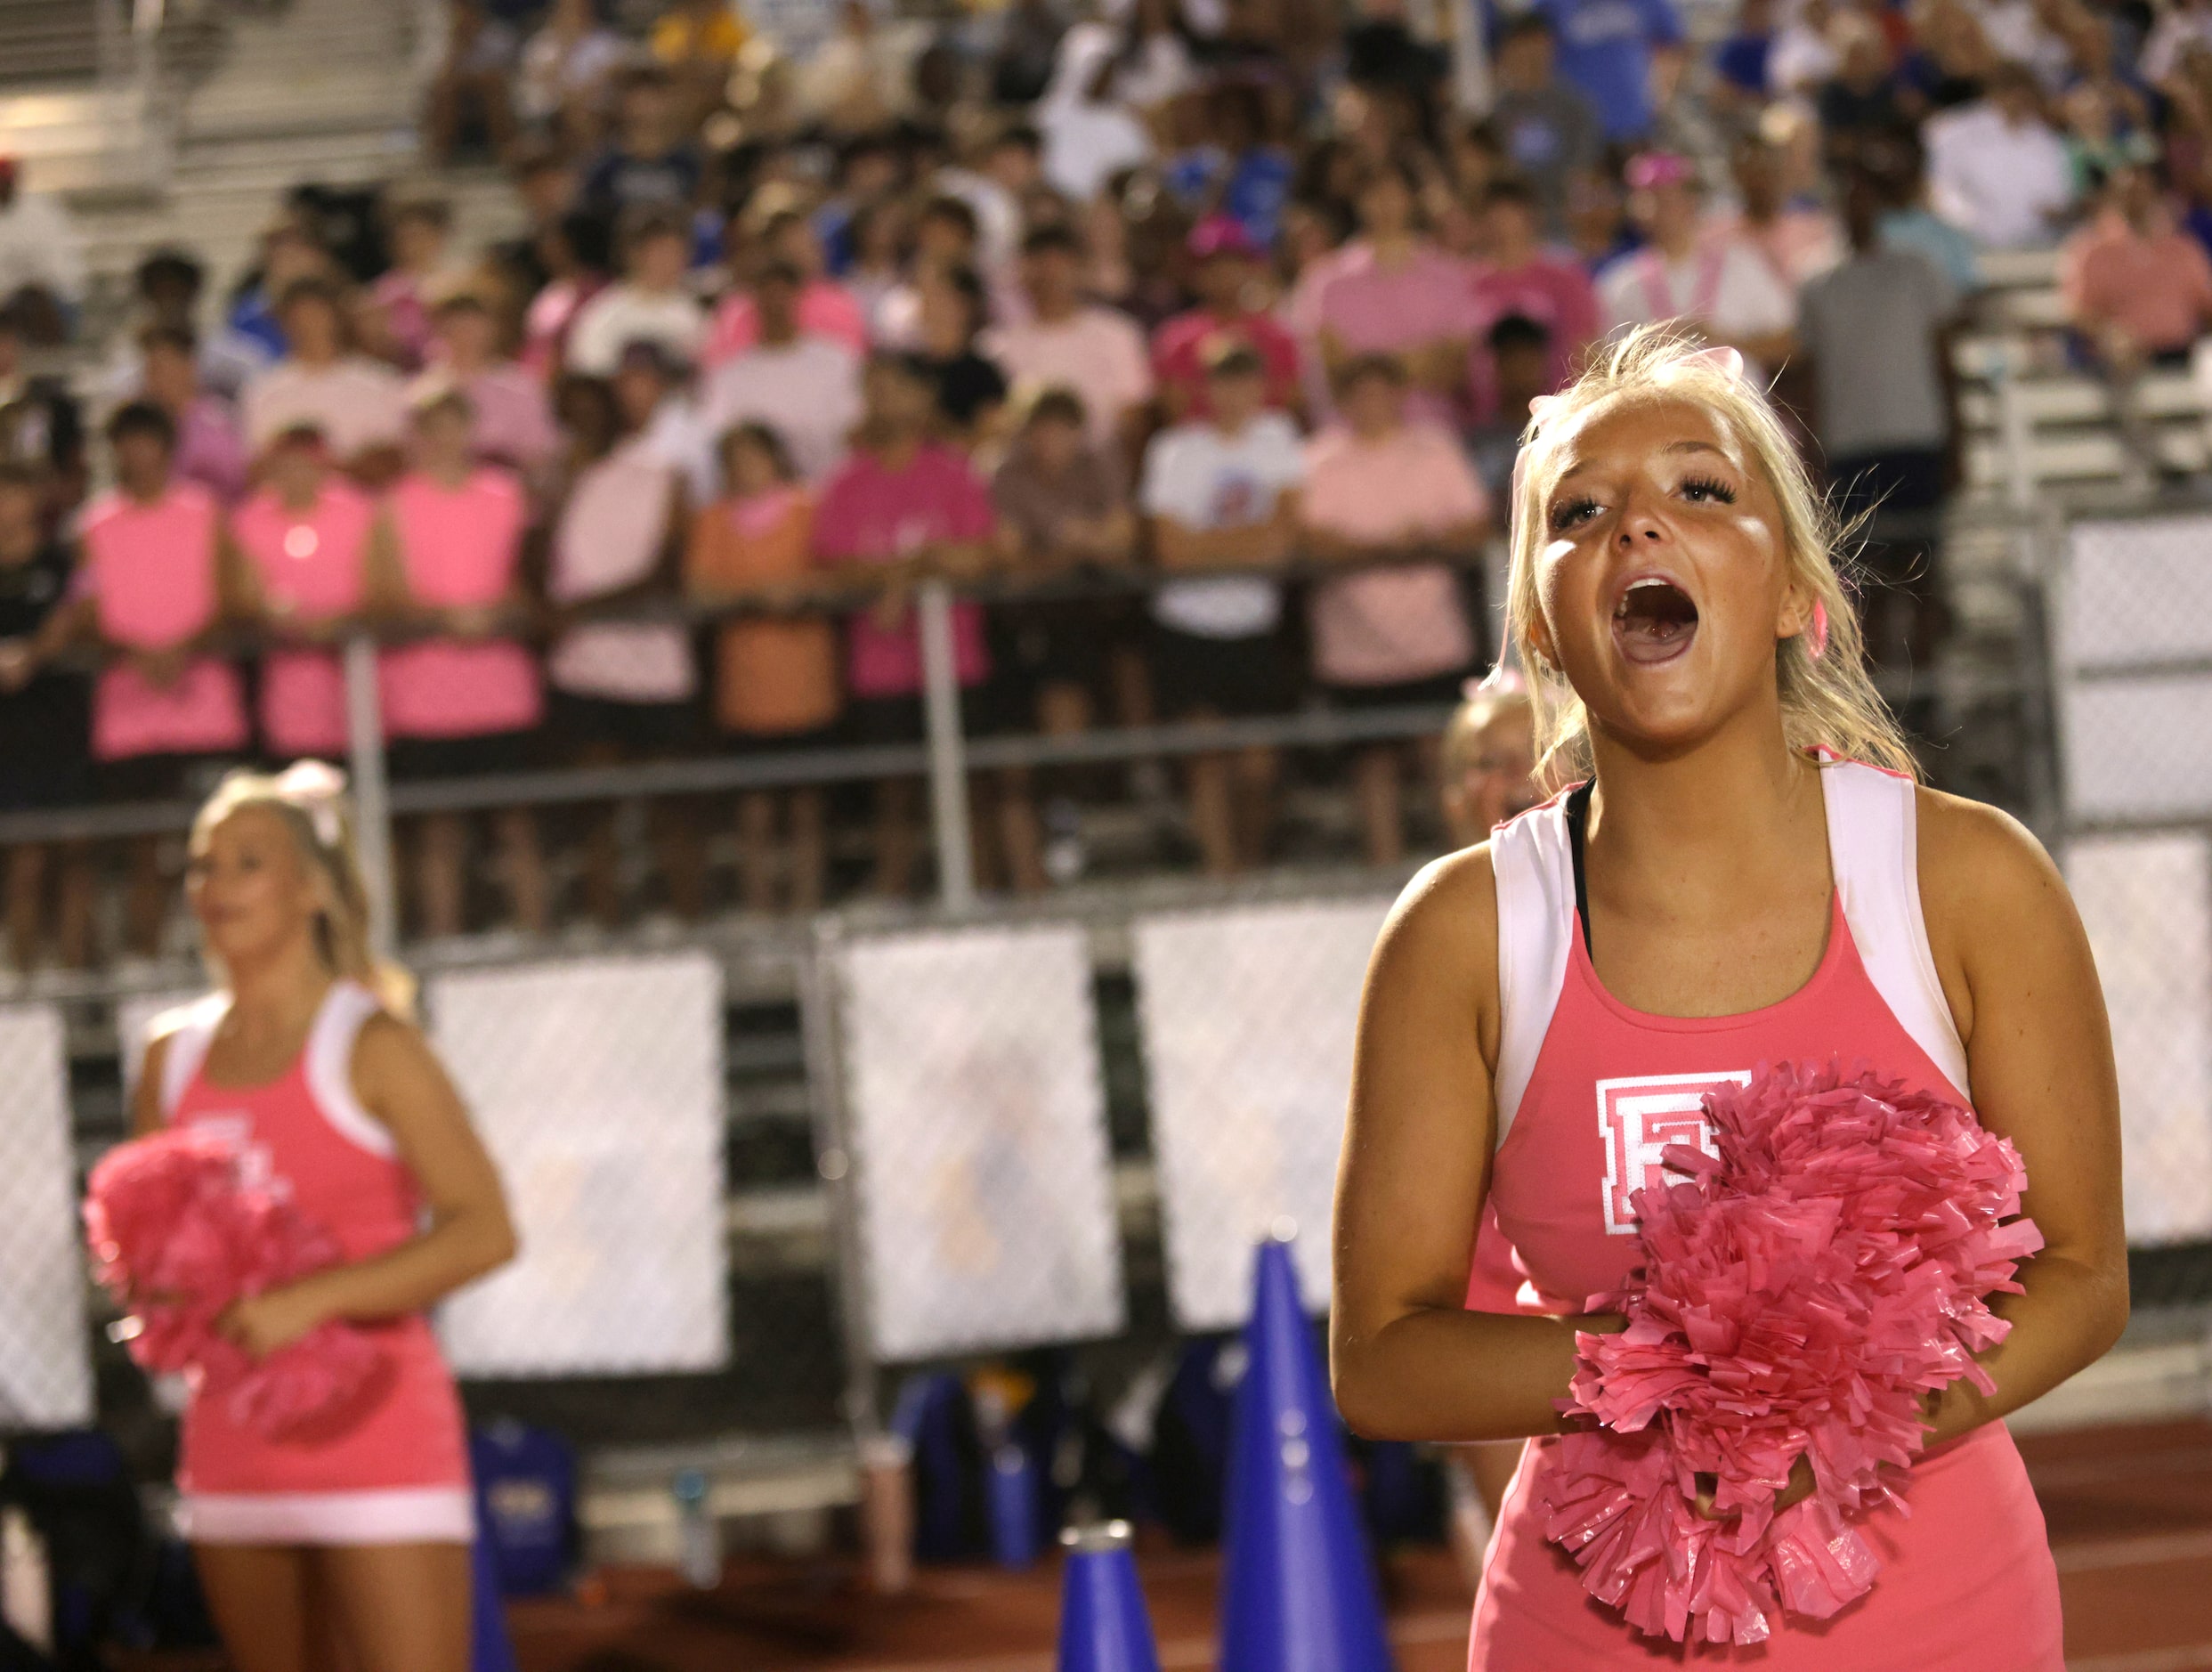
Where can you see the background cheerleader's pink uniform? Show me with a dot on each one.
(1589, 1092)
(150, 572)
(398, 1472)
(312, 566)
(458, 548)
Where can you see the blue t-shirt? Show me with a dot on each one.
(1741, 62)
(1604, 50)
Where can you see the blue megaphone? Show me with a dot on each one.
(1103, 1624)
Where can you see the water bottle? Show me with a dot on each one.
(700, 1537)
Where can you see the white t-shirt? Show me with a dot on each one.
(1724, 284)
(807, 391)
(1997, 183)
(621, 314)
(1206, 479)
(355, 403)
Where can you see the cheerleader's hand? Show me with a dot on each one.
(263, 1324)
(1799, 1488)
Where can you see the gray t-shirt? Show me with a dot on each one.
(1870, 325)
(1548, 135)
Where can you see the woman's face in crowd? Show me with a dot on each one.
(250, 888)
(750, 466)
(1495, 779)
(311, 329)
(1662, 575)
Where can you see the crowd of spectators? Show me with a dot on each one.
(812, 305)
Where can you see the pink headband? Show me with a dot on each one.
(1652, 170)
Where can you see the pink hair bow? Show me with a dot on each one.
(316, 790)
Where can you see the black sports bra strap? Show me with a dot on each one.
(1577, 821)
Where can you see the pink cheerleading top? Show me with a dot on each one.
(459, 549)
(1967, 1583)
(398, 1471)
(150, 572)
(313, 568)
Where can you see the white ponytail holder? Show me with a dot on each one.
(317, 789)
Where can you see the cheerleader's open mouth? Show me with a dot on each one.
(1654, 619)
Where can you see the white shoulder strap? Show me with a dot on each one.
(1534, 869)
(330, 1067)
(1873, 833)
(188, 1031)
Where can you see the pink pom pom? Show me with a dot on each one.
(177, 1237)
(1798, 1296)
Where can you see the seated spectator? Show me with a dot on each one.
(1803, 55)
(1518, 276)
(1547, 128)
(870, 169)
(289, 253)
(45, 722)
(464, 702)
(566, 76)
(826, 309)
(1798, 240)
(651, 302)
(699, 42)
(876, 236)
(1521, 359)
(472, 83)
(622, 691)
(804, 386)
(403, 295)
(1724, 288)
(650, 163)
(775, 669)
(1489, 759)
(1063, 504)
(1223, 494)
(209, 448)
(40, 421)
(1609, 53)
(358, 404)
(971, 388)
(1238, 172)
(2102, 135)
(2138, 291)
(907, 509)
(1861, 101)
(304, 538)
(546, 183)
(167, 286)
(1996, 169)
(1005, 168)
(1226, 277)
(154, 591)
(1097, 352)
(514, 420)
(1399, 293)
(861, 77)
(1378, 487)
(42, 259)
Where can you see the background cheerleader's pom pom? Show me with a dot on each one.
(1800, 1292)
(176, 1236)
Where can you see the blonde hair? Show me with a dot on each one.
(308, 800)
(1829, 700)
(1482, 705)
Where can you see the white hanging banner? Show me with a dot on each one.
(45, 1374)
(977, 1114)
(1248, 1016)
(597, 1086)
(2147, 904)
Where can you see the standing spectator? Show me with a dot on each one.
(652, 302)
(1223, 494)
(1518, 276)
(359, 405)
(826, 308)
(650, 164)
(2138, 291)
(472, 83)
(1378, 487)
(1098, 352)
(1724, 288)
(1897, 167)
(1607, 49)
(908, 509)
(775, 669)
(154, 590)
(1520, 358)
(805, 387)
(40, 421)
(971, 386)
(654, 404)
(404, 293)
(514, 420)
(1398, 294)
(622, 691)
(1548, 129)
(209, 448)
(575, 255)
(304, 537)
(44, 725)
(42, 259)
(1065, 505)
(1227, 279)
(1996, 169)
(464, 702)
(566, 70)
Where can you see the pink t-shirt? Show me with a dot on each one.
(1557, 295)
(1369, 308)
(1097, 352)
(825, 309)
(514, 424)
(2157, 288)
(870, 514)
(312, 567)
(458, 548)
(1387, 625)
(150, 572)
